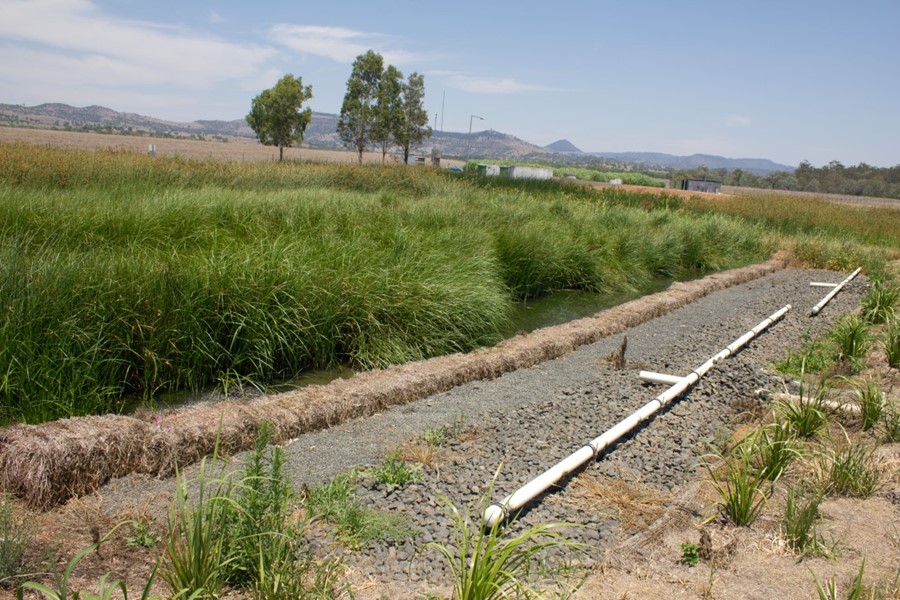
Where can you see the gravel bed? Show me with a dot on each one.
(529, 419)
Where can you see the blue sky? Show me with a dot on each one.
(787, 80)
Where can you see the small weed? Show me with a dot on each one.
(142, 534)
(851, 471)
(798, 525)
(879, 305)
(852, 339)
(356, 526)
(690, 554)
(107, 589)
(394, 473)
(814, 356)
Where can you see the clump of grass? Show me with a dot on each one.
(772, 448)
(488, 563)
(870, 399)
(892, 343)
(807, 415)
(879, 305)
(890, 423)
(16, 534)
(852, 339)
(197, 542)
(798, 524)
(850, 470)
(741, 488)
(829, 591)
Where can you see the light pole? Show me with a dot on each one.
(469, 139)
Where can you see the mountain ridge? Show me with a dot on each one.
(322, 132)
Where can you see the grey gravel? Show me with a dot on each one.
(529, 419)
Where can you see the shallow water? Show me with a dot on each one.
(563, 306)
(554, 308)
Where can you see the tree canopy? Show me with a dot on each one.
(358, 109)
(276, 116)
(380, 108)
(413, 126)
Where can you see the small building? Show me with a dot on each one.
(515, 172)
(709, 186)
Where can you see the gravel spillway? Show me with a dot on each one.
(527, 420)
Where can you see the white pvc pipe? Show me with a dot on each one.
(822, 284)
(832, 293)
(659, 377)
(498, 511)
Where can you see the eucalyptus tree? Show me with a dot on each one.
(389, 113)
(357, 120)
(276, 114)
(413, 127)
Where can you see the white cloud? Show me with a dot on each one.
(215, 17)
(738, 121)
(75, 40)
(339, 43)
(488, 85)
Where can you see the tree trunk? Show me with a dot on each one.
(406, 155)
(280, 153)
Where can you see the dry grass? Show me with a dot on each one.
(47, 464)
(635, 505)
(237, 149)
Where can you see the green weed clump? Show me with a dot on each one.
(871, 403)
(356, 526)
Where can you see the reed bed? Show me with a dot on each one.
(123, 277)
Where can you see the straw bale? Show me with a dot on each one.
(48, 464)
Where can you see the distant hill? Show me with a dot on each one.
(562, 146)
(669, 161)
(322, 133)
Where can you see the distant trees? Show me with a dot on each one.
(833, 178)
(276, 116)
(380, 108)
